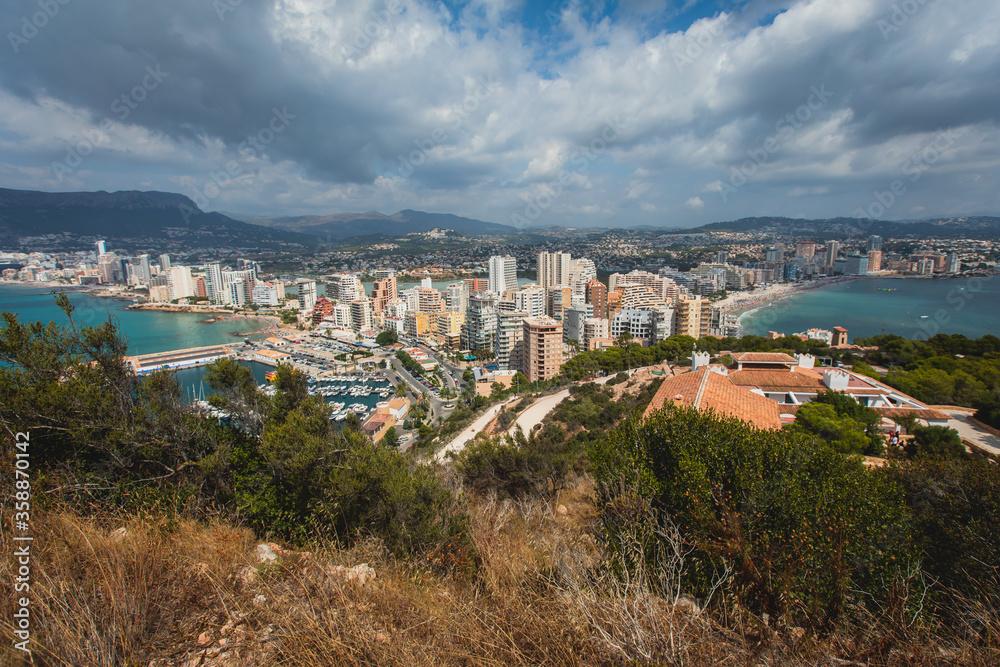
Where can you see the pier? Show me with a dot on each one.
(175, 359)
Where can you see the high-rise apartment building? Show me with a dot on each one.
(581, 271)
(361, 314)
(480, 322)
(553, 269)
(429, 300)
(874, 243)
(874, 260)
(180, 282)
(213, 276)
(507, 346)
(558, 298)
(531, 300)
(688, 314)
(344, 287)
(503, 274)
(100, 248)
(832, 250)
(384, 291)
(596, 294)
(543, 345)
(805, 249)
(456, 297)
(473, 285)
(307, 294)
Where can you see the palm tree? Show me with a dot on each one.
(400, 389)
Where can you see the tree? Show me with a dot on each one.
(289, 317)
(390, 438)
(467, 376)
(936, 442)
(387, 337)
(400, 389)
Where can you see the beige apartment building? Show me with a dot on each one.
(543, 348)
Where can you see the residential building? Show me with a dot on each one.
(384, 290)
(307, 294)
(573, 319)
(480, 323)
(553, 269)
(596, 295)
(688, 314)
(344, 287)
(456, 297)
(180, 282)
(594, 328)
(543, 345)
(558, 299)
(531, 300)
(503, 274)
(361, 314)
(507, 345)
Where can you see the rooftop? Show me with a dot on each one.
(706, 389)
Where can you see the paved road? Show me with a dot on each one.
(536, 413)
(542, 407)
(470, 432)
(973, 432)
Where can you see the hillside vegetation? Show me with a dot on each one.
(600, 539)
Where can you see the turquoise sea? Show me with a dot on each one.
(146, 331)
(913, 308)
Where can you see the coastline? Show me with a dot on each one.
(742, 303)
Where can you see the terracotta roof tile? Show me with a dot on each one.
(708, 390)
(771, 357)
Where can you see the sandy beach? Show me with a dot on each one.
(743, 302)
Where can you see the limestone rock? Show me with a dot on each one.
(265, 553)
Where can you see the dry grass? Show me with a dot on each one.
(187, 593)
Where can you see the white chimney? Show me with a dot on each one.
(806, 360)
(700, 360)
(836, 380)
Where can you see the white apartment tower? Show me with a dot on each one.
(503, 274)
(553, 269)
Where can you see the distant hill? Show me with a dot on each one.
(128, 217)
(965, 226)
(346, 225)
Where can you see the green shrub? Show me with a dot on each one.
(805, 530)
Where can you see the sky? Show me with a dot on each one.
(573, 113)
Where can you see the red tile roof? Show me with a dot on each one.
(769, 357)
(707, 390)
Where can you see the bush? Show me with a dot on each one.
(936, 442)
(618, 379)
(955, 506)
(801, 526)
(522, 466)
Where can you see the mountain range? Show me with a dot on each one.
(346, 225)
(979, 226)
(128, 217)
(163, 218)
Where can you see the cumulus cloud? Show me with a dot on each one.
(761, 109)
